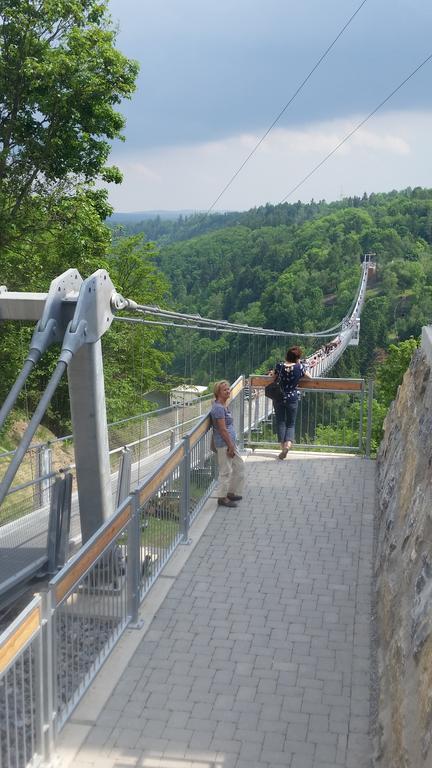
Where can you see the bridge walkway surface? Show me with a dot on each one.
(258, 653)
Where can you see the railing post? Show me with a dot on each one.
(64, 526)
(39, 695)
(185, 490)
(361, 444)
(241, 419)
(49, 676)
(53, 523)
(177, 421)
(257, 411)
(134, 562)
(250, 416)
(369, 418)
(147, 434)
(59, 522)
(172, 439)
(124, 476)
(43, 468)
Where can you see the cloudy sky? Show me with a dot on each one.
(215, 74)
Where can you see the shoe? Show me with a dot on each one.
(226, 502)
(234, 497)
(283, 454)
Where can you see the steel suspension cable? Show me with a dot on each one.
(354, 130)
(176, 319)
(33, 425)
(283, 110)
(248, 330)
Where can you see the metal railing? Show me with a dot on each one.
(90, 609)
(146, 435)
(333, 415)
(94, 597)
(21, 686)
(53, 650)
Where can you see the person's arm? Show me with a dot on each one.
(226, 437)
(306, 374)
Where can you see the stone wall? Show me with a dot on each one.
(403, 569)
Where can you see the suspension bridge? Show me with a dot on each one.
(103, 526)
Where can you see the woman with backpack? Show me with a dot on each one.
(288, 375)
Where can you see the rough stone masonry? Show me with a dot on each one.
(403, 569)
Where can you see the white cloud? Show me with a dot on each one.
(137, 169)
(395, 145)
(392, 152)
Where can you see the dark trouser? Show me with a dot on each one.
(285, 420)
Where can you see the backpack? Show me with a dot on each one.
(274, 391)
(287, 388)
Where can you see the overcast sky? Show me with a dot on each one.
(214, 75)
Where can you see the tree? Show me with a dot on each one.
(134, 356)
(61, 78)
(391, 371)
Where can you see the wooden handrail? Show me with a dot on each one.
(199, 431)
(151, 486)
(70, 576)
(329, 385)
(20, 636)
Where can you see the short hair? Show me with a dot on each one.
(217, 386)
(293, 354)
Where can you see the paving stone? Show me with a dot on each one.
(303, 761)
(259, 656)
(127, 737)
(98, 736)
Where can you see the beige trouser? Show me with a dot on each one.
(231, 473)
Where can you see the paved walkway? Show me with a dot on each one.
(259, 655)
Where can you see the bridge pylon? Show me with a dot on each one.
(91, 308)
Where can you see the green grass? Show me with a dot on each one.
(159, 533)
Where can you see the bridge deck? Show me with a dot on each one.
(23, 543)
(259, 655)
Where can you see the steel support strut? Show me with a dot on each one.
(81, 354)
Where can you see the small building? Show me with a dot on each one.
(186, 394)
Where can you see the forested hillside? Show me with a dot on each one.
(293, 267)
(296, 277)
(302, 277)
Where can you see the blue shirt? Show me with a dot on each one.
(220, 411)
(289, 375)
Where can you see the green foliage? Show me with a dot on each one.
(345, 428)
(296, 268)
(61, 78)
(390, 373)
(134, 360)
(61, 81)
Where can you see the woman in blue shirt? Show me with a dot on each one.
(230, 463)
(288, 374)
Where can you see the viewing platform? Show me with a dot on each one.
(255, 645)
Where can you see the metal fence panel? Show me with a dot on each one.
(91, 610)
(21, 724)
(160, 517)
(203, 471)
(327, 420)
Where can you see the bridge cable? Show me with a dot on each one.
(247, 330)
(354, 130)
(31, 428)
(283, 110)
(223, 326)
